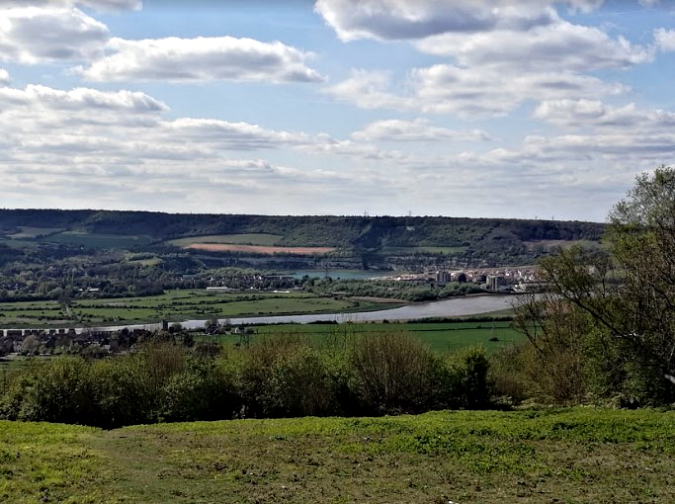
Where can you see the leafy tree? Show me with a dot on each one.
(613, 310)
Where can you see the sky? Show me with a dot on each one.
(482, 108)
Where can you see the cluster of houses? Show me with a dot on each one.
(511, 279)
(13, 340)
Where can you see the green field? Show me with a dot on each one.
(19, 244)
(234, 239)
(174, 305)
(442, 337)
(551, 245)
(34, 232)
(568, 456)
(423, 249)
(98, 241)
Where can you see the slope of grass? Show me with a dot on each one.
(557, 456)
(98, 241)
(237, 239)
(34, 232)
(50, 463)
(423, 250)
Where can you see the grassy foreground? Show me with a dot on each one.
(565, 456)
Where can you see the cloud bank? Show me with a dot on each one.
(200, 59)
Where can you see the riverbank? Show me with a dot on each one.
(363, 312)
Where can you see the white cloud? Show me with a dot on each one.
(466, 93)
(4, 77)
(99, 5)
(201, 59)
(84, 148)
(594, 113)
(33, 35)
(239, 136)
(119, 128)
(370, 89)
(624, 147)
(419, 130)
(111, 5)
(504, 54)
(35, 97)
(364, 152)
(406, 20)
(560, 46)
(479, 92)
(401, 19)
(665, 39)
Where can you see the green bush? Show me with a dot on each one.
(204, 391)
(509, 374)
(469, 371)
(396, 373)
(282, 376)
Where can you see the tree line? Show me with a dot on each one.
(280, 376)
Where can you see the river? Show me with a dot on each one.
(453, 307)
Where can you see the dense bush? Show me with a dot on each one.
(393, 373)
(274, 377)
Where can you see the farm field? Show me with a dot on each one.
(34, 232)
(442, 337)
(550, 245)
(259, 249)
(98, 241)
(237, 239)
(252, 243)
(580, 455)
(424, 249)
(19, 243)
(173, 305)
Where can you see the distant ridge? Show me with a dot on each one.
(322, 230)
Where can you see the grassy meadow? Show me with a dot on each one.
(34, 232)
(235, 239)
(98, 241)
(579, 455)
(441, 337)
(174, 305)
(424, 250)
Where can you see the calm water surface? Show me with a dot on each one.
(453, 307)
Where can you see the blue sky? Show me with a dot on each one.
(486, 108)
